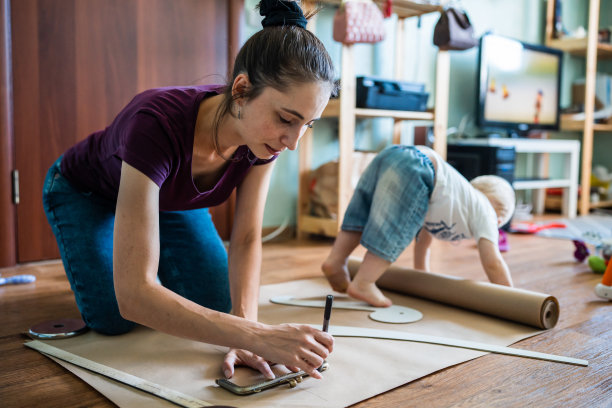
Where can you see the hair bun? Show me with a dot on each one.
(280, 13)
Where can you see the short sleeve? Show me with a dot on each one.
(483, 220)
(145, 146)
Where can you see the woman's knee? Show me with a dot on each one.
(110, 325)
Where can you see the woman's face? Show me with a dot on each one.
(275, 120)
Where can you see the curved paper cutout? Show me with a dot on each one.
(391, 314)
(347, 331)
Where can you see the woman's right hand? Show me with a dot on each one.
(297, 346)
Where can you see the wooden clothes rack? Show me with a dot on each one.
(344, 108)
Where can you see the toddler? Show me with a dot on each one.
(409, 192)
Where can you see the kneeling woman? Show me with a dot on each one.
(128, 205)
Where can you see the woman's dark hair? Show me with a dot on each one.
(278, 56)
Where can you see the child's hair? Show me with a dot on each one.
(283, 53)
(499, 193)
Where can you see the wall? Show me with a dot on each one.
(520, 19)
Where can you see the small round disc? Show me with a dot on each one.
(58, 329)
(396, 314)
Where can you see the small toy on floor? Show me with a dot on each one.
(604, 289)
(582, 252)
(17, 279)
(597, 263)
(503, 244)
(526, 227)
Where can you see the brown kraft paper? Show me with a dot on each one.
(518, 305)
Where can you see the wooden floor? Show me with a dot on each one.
(27, 379)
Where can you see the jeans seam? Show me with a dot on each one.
(60, 238)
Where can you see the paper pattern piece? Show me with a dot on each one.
(391, 314)
(347, 331)
(191, 368)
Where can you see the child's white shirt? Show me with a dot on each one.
(456, 209)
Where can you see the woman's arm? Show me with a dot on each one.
(421, 250)
(245, 241)
(245, 261)
(142, 300)
(135, 264)
(494, 265)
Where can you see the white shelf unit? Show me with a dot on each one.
(541, 148)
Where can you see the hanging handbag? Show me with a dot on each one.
(358, 21)
(453, 31)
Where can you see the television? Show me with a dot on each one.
(518, 86)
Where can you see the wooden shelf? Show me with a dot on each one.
(333, 110)
(344, 108)
(578, 46)
(569, 124)
(601, 204)
(591, 50)
(402, 8)
(311, 224)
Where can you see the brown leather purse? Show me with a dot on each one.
(453, 31)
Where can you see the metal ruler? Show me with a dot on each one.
(160, 391)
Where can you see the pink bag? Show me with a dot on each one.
(358, 22)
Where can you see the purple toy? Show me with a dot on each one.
(582, 252)
(503, 244)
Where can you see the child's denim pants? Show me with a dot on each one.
(390, 201)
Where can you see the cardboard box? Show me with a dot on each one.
(603, 91)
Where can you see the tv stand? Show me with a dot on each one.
(518, 134)
(539, 181)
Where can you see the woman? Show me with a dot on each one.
(128, 205)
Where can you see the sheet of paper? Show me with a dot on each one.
(359, 368)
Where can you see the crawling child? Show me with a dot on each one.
(409, 192)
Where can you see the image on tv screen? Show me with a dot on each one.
(521, 84)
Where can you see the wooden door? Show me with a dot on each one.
(76, 63)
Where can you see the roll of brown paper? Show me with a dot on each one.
(519, 305)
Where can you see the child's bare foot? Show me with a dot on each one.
(368, 292)
(337, 274)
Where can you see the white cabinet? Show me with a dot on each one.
(539, 181)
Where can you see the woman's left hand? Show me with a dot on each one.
(238, 357)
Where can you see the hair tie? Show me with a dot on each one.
(280, 13)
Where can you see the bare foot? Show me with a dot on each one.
(337, 274)
(368, 292)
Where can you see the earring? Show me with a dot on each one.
(239, 117)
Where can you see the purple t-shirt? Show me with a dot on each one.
(154, 134)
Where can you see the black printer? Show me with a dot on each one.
(378, 93)
(473, 160)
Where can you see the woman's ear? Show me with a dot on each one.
(240, 86)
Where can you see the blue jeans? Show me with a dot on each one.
(193, 260)
(390, 201)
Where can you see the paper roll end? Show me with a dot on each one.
(550, 313)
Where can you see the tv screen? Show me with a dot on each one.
(518, 85)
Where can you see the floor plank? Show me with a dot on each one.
(546, 265)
